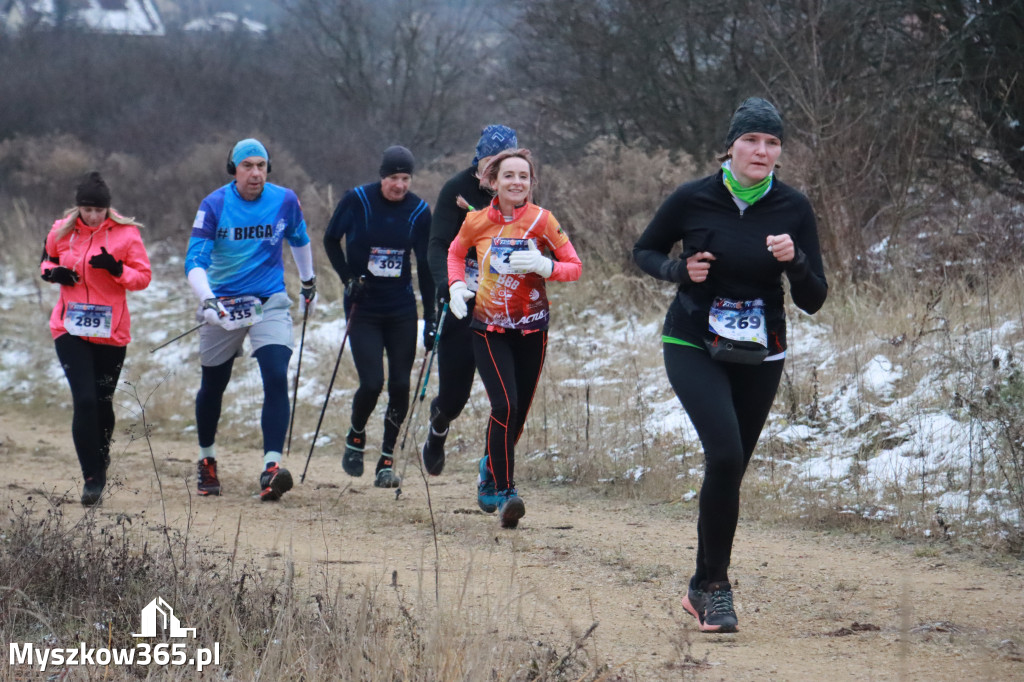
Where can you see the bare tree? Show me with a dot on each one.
(659, 72)
(981, 43)
(402, 71)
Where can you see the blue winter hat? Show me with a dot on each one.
(246, 148)
(494, 139)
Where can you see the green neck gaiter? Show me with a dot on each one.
(748, 195)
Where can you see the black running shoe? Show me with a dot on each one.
(274, 482)
(386, 476)
(695, 602)
(719, 614)
(511, 508)
(352, 460)
(433, 452)
(92, 490)
(206, 475)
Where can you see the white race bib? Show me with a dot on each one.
(89, 319)
(386, 262)
(502, 249)
(243, 311)
(472, 274)
(738, 320)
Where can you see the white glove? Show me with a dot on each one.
(458, 294)
(532, 261)
(214, 312)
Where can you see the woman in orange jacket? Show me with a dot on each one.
(95, 255)
(510, 318)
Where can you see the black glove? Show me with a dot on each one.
(308, 289)
(105, 261)
(61, 275)
(354, 288)
(308, 293)
(429, 334)
(442, 296)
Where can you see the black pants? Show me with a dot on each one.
(92, 370)
(728, 405)
(455, 370)
(273, 362)
(509, 364)
(371, 336)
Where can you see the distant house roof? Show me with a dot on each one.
(133, 17)
(226, 22)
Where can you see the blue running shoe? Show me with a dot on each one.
(511, 508)
(486, 495)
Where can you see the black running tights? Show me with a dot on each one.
(455, 371)
(509, 364)
(370, 337)
(92, 370)
(728, 405)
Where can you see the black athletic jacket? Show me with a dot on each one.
(446, 220)
(703, 216)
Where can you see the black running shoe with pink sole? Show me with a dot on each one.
(695, 601)
(719, 614)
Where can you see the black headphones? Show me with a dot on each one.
(231, 168)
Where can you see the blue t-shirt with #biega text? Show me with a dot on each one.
(240, 243)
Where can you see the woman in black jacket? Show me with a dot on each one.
(724, 338)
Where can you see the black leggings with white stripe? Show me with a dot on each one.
(728, 405)
(509, 364)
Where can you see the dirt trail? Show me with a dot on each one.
(811, 605)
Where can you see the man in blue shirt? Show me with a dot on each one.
(235, 267)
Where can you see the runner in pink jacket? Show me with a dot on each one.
(95, 255)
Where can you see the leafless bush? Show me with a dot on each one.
(606, 199)
(69, 582)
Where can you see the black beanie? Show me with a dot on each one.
(396, 160)
(755, 115)
(93, 192)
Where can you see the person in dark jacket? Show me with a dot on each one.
(724, 338)
(464, 192)
(383, 225)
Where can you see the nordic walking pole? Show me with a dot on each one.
(423, 366)
(423, 391)
(334, 374)
(298, 370)
(444, 312)
(179, 336)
